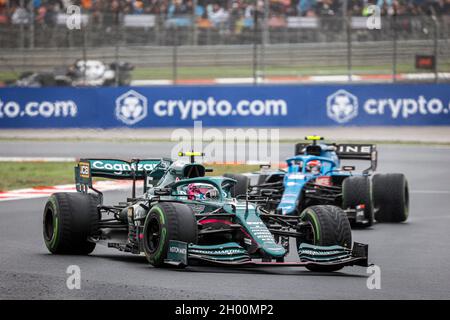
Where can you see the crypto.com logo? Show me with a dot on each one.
(342, 106)
(131, 107)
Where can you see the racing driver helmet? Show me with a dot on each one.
(313, 166)
(196, 191)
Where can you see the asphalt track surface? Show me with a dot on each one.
(414, 257)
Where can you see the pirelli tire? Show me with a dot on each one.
(358, 191)
(329, 226)
(242, 185)
(167, 221)
(391, 197)
(69, 220)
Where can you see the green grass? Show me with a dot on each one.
(8, 75)
(18, 175)
(220, 170)
(210, 72)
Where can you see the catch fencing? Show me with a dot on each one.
(286, 48)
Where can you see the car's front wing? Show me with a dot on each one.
(231, 254)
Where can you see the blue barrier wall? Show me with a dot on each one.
(278, 106)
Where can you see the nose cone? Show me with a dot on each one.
(260, 234)
(274, 250)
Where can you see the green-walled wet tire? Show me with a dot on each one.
(167, 221)
(330, 226)
(69, 220)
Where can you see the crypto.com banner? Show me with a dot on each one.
(230, 106)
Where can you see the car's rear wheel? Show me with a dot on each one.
(69, 220)
(357, 191)
(167, 221)
(328, 226)
(391, 197)
(241, 187)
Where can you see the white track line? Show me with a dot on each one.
(40, 192)
(430, 191)
(162, 82)
(37, 159)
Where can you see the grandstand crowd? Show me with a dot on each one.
(213, 11)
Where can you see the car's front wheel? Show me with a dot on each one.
(327, 226)
(167, 221)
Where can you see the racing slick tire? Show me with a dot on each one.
(391, 197)
(167, 221)
(241, 187)
(330, 226)
(68, 220)
(358, 191)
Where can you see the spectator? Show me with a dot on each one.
(51, 14)
(3, 12)
(112, 13)
(20, 16)
(177, 8)
(138, 7)
(217, 15)
(305, 6)
(86, 4)
(40, 14)
(232, 13)
(235, 18)
(442, 7)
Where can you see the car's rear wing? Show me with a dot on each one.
(355, 151)
(345, 151)
(137, 169)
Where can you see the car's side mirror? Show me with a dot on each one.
(163, 192)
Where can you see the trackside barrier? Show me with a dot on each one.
(226, 106)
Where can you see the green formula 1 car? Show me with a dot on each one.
(185, 217)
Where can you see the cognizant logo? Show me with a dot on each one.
(194, 109)
(120, 167)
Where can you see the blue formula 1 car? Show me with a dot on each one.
(316, 176)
